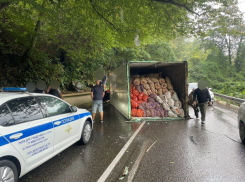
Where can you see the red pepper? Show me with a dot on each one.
(131, 95)
(134, 112)
(145, 98)
(141, 94)
(136, 92)
(140, 113)
(134, 104)
(135, 98)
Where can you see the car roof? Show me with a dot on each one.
(6, 96)
(11, 94)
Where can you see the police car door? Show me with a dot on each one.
(66, 123)
(31, 133)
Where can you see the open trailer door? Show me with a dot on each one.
(119, 90)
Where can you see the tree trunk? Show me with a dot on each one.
(33, 42)
(228, 43)
(229, 49)
(238, 60)
(29, 50)
(239, 46)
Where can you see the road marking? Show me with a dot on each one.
(151, 146)
(138, 161)
(108, 171)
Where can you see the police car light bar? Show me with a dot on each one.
(14, 89)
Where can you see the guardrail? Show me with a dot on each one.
(233, 99)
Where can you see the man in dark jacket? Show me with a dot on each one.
(202, 95)
(55, 92)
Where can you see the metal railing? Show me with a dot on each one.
(233, 99)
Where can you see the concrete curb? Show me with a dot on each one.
(236, 108)
(76, 94)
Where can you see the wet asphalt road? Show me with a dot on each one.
(162, 151)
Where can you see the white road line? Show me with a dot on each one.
(108, 171)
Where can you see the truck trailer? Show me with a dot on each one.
(177, 72)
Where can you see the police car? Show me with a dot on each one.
(36, 127)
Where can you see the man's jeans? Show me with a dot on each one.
(97, 104)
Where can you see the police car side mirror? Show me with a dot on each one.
(73, 108)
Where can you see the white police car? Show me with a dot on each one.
(36, 127)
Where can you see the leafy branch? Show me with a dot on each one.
(178, 5)
(189, 7)
(110, 23)
(106, 20)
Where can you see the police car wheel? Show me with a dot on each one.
(86, 133)
(8, 171)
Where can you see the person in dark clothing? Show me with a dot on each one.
(103, 81)
(202, 97)
(41, 87)
(191, 101)
(40, 91)
(55, 92)
(97, 94)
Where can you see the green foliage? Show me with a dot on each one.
(240, 59)
(160, 51)
(234, 89)
(15, 72)
(69, 40)
(208, 70)
(91, 35)
(190, 50)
